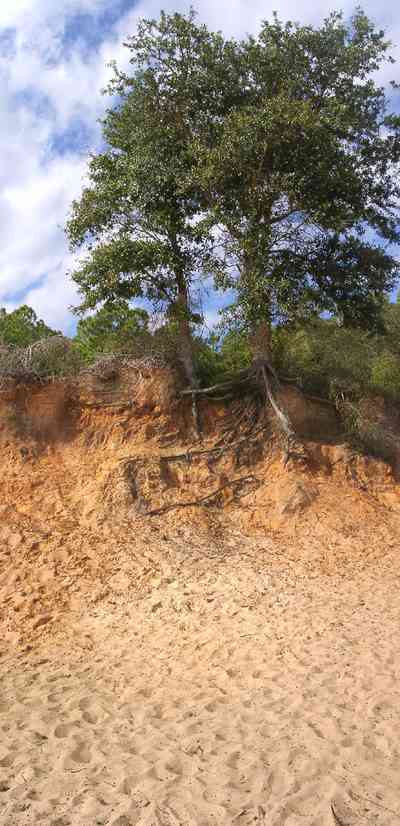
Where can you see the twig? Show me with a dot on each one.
(368, 800)
(375, 803)
(337, 818)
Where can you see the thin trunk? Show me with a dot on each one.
(185, 333)
(186, 346)
(258, 310)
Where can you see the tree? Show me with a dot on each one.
(116, 327)
(22, 327)
(270, 163)
(139, 222)
(392, 325)
(302, 177)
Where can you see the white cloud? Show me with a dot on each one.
(47, 89)
(38, 102)
(33, 13)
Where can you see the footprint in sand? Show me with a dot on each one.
(84, 703)
(89, 718)
(7, 761)
(81, 754)
(63, 730)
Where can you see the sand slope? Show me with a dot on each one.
(240, 691)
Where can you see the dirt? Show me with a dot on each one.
(83, 465)
(192, 633)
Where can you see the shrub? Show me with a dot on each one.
(55, 356)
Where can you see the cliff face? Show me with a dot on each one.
(98, 475)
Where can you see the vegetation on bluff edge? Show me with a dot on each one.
(346, 366)
(265, 168)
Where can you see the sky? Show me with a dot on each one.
(53, 65)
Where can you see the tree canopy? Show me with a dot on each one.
(115, 327)
(139, 220)
(22, 327)
(303, 175)
(270, 163)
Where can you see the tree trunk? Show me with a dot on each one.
(185, 334)
(260, 341)
(257, 309)
(185, 346)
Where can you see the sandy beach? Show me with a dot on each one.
(242, 690)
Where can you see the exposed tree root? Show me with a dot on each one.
(204, 500)
(218, 449)
(260, 375)
(283, 418)
(226, 387)
(294, 448)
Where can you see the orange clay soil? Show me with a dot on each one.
(84, 464)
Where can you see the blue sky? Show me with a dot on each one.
(53, 64)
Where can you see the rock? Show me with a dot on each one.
(298, 497)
